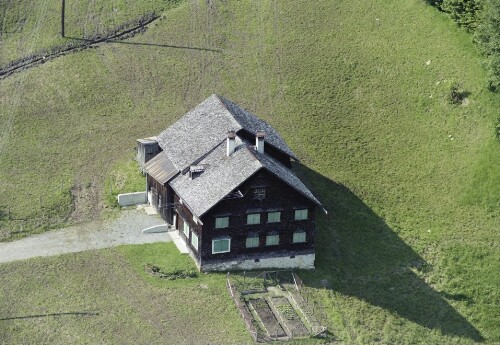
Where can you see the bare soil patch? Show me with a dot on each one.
(289, 316)
(267, 317)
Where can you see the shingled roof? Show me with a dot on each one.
(224, 174)
(161, 168)
(195, 134)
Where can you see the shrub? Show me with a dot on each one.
(464, 12)
(487, 36)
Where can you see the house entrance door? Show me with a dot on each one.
(154, 199)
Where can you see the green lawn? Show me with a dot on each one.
(105, 297)
(358, 89)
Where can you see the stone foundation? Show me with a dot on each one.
(300, 261)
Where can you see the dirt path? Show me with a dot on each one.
(94, 235)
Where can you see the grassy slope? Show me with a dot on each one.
(411, 240)
(105, 297)
(29, 26)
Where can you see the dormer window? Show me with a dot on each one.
(259, 193)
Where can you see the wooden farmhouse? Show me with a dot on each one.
(222, 178)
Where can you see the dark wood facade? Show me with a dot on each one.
(161, 198)
(279, 197)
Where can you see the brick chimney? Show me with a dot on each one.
(259, 141)
(231, 143)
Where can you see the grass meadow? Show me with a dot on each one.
(359, 90)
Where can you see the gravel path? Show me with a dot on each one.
(127, 229)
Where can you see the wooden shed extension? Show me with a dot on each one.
(147, 148)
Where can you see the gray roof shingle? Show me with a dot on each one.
(224, 174)
(204, 127)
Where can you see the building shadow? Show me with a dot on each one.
(361, 256)
(90, 41)
(49, 315)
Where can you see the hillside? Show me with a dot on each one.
(358, 89)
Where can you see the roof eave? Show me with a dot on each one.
(198, 217)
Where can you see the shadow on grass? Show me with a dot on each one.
(47, 315)
(363, 257)
(3, 214)
(149, 44)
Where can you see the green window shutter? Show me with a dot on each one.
(272, 240)
(299, 236)
(301, 214)
(252, 242)
(274, 217)
(221, 222)
(253, 218)
(194, 240)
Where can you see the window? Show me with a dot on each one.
(253, 218)
(273, 217)
(186, 229)
(194, 240)
(272, 240)
(299, 236)
(252, 241)
(301, 214)
(259, 193)
(221, 222)
(222, 245)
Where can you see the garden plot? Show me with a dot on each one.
(267, 317)
(289, 316)
(272, 307)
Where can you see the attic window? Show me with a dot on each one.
(301, 214)
(221, 222)
(259, 193)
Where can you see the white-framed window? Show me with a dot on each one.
(301, 214)
(299, 236)
(274, 217)
(252, 241)
(259, 193)
(221, 222)
(272, 240)
(221, 245)
(253, 218)
(186, 229)
(194, 240)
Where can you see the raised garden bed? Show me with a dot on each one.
(267, 317)
(289, 316)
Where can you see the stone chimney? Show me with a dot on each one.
(259, 141)
(231, 143)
